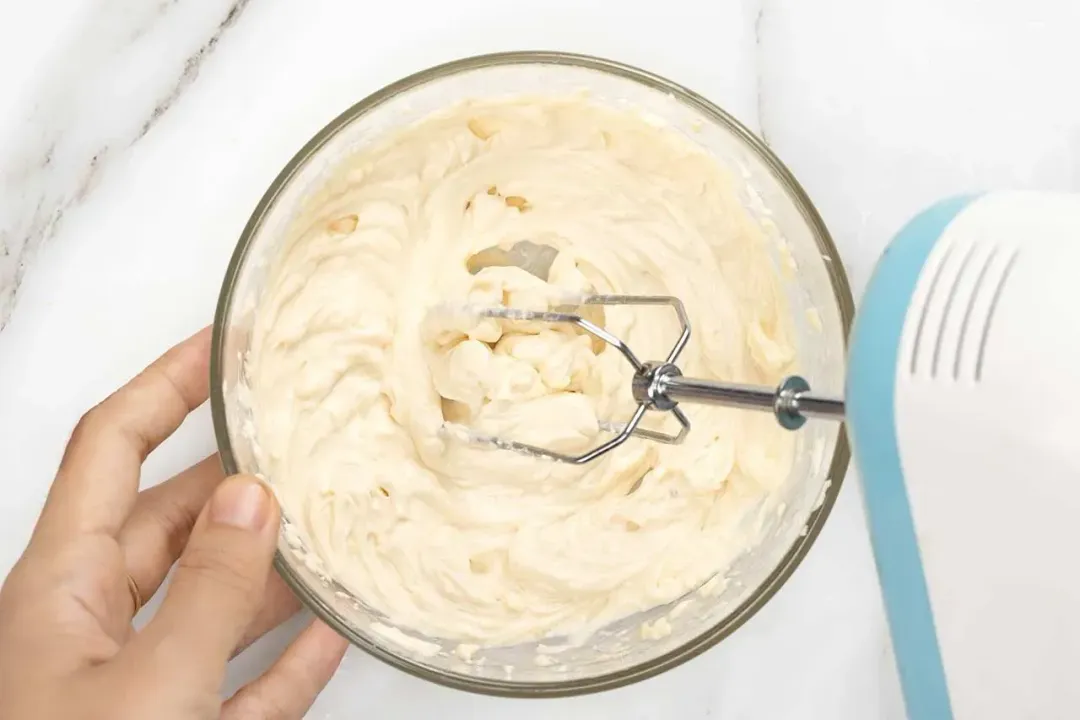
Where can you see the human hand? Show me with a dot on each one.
(67, 646)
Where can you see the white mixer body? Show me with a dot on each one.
(962, 407)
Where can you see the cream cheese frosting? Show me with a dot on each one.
(361, 358)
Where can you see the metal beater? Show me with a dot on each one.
(661, 386)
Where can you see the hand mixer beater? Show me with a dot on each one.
(661, 385)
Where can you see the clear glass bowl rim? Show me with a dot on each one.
(837, 467)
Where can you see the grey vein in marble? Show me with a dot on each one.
(134, 61)
(759, 73)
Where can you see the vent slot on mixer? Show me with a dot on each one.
(998, 289)
(956, 310)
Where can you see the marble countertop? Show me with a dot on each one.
(136, 137)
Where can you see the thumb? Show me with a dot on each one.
(219, 582)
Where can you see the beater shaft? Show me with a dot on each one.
(663, 386)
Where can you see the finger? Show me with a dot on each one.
(98, 479)
(279, 604)
(159, 527)
(218, 586)
(290, 686)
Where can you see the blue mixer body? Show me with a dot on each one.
(961, 443)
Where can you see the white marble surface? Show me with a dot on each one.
(137, 135)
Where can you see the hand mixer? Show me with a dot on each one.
(960, 370)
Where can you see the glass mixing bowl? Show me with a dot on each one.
(821, 308)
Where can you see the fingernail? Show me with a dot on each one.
(241, 503)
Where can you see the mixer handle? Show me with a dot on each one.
(662, 386)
